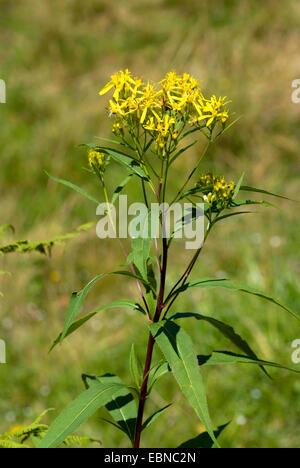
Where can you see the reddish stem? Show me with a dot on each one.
(151, 342)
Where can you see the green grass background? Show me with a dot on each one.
(55, 56)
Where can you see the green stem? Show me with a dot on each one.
(192, 172)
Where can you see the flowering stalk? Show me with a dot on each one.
(162, 115)
(151, 121)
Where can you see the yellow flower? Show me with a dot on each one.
(150, 125)
(218, 190)
(117, 128)
(98, 161)
(212, 110)
(121, 81)
(149, 101)
(116, 109)
(163, 108)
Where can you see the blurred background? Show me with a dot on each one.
(54, 57)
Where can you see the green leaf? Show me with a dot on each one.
(75, 304)
(227, 357)
(74, 187)
(224, 130)
(247, 188)
(78, 323)
(140, 254)
(182, 150)
(155, 415)
(231, 214)
(156, 372)
(223, 328)
(225, 283)
(78, 411)
(136, 277)
(119, 189)
(238, 203)
(203, 440)
(178, 350)
(110, 140)
(122, 406)
(77, 300)
(135, 367)
(127, 161)
(238, 186)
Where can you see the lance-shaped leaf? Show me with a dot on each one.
(75, 304)
(74, 187)
(156, 372)
(247, 188)
(84, 406)
(140, 254)
(122, 405)
(182, 150)
(225, 283)
(203, 440)
(238, 186)
(154, 416)
(229, 215)
(223, 328)
(127, 161)
(119, 189)
(136, 369)
(129, 274)
(227, 357)
(77, 299)
(127, 303)
(177, 347)
(238, 203)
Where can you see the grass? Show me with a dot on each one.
(55, 57)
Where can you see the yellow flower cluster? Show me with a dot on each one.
(216, 189)
(162, 109)
(97, 161)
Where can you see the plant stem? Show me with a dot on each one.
(192, 173)
(143, 393)
(183, 279)
(124, 250)
(151, 342)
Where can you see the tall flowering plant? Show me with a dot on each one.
(152, 124)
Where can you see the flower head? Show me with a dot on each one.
(121, 81)
(160, 111)
(213, 110)
(98, 162)
(216, 191)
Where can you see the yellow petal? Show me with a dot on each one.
(144, 115)
(106, 88)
